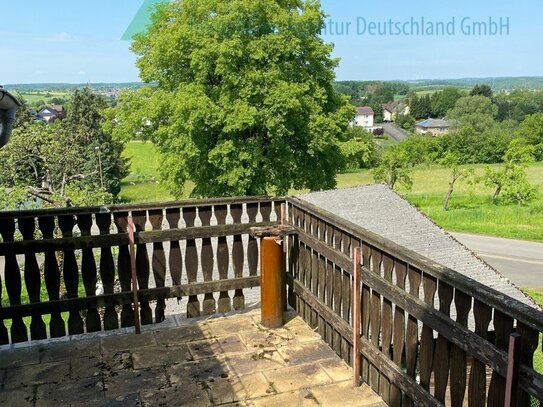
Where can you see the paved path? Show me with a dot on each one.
(394, 131)
(520, 261)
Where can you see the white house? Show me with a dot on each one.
(364, 117)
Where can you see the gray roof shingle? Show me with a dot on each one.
(380, 210)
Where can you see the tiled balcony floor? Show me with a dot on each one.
(229, 360)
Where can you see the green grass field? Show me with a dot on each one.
(34, 97)
(471, 209)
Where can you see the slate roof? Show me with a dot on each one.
(380, 210)
(364, 110)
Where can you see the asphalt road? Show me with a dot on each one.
(520, 261)
(393, 131)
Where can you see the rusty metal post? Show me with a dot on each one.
(272, 270)
(356, 317)
(271, 288)
(513, 368)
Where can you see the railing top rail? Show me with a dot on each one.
(135, 207)
(524, 313)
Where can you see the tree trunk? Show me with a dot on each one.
(496, 194)
(448, 196)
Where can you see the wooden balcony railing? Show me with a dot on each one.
(72, 250)
(429, 335)
(412, 352)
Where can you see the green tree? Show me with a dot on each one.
(531, 129)
(452, 162)
(510, 178)
(394, 168)
(481, 90)
(60, 163)
(244, 102)
(420, 107)
(477, 112)
(358, 149)
(444, 101)
(405, 121)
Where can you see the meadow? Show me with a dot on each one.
(471, 208)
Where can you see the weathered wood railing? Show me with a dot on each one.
(45, 252)
(413, 349)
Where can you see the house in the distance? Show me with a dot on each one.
(436, 127)
(364, 117)
(392, 109)
(51, 113)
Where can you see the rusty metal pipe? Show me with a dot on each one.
(271, 288)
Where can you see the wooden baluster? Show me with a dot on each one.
(159, 263)
(57, 326)
(293, 258)
(503, 326)
(386, 323)
(124, 269)
(252, 245)
(346, 298)
(71, 275)
(4, 337)
(12, 276)
(265, 211)
(477, 378)
(443, 346)
(208, 305)
(398, 337)
(412, 331)
(27, 227)
(306, 267)
(529, 340)
(107, 271)
(375, 317)
(142, 267)
(223, 259)
(429, 284)
(175, 261)
(238, 258)
(329, 284)
(365, 308)
(277, 210)
(321, 279)
(458, 356)
(191, 263)
(338, 290)
(89, 274)
(315, 318)
(300, 304)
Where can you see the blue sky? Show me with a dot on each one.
(80, 41)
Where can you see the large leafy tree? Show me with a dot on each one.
(242, 100)
(445, 100)
(476, 112)
(532, 130)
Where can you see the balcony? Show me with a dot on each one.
(425, 334)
